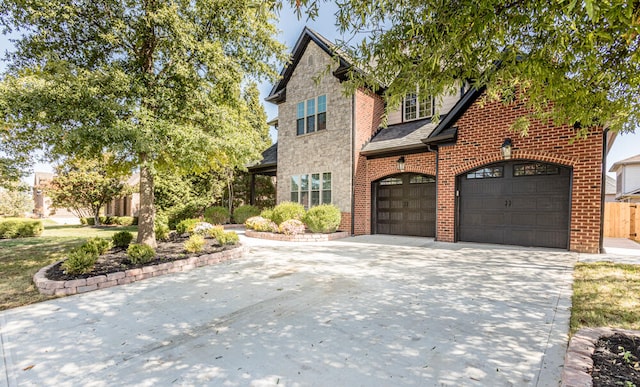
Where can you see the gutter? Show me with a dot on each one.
(603, 187)
(353, 163)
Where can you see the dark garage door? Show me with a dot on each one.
(405, 205)
(516, 203)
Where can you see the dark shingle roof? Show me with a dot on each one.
(269, 161)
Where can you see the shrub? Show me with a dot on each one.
(186, 226)
(84, 221)
(202, 228)
(291, 227)
(162, 232)
(259, 223)
(194, 244)
(122, 239)
(97, 246)
(267, 213)
(139, 253)
(287, 210)
(242, 213)
(181, 212)
(89, 221)
(228, 238)
(217, 215)
(123, 220)
(79, 261)
(324, 218)
(214, 231)
(19, 228)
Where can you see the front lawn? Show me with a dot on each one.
(606, 295)
(21, 258)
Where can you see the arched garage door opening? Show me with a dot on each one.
(524, 203)
(404, 204)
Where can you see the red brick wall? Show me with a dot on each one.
(481, 131)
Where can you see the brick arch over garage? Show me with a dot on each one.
(517, 155)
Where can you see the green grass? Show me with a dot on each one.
(606, 295)
(21, 258)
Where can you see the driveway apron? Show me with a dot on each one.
(363, 311)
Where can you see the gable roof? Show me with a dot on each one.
(445, 125)
(631, 160)
(406, 136)
(269, 162)
(278, 92)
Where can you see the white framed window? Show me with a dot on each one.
(311, 115)
(311, 189)
(416, 106)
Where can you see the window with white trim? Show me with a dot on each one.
(311, 115)
(415, 106)
(311, 189)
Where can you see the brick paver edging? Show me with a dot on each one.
(64, 288)
(307, 237)
(577, 362)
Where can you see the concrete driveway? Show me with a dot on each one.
(364, 311)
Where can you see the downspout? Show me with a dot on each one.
(603, 187)
(353, 163)
(430, 149)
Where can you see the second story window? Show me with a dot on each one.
(416, 106)
(311, 115)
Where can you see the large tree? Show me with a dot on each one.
(84, 186)
(15, 200)
(156, 82)
(577, 61)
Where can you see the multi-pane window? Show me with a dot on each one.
(532, 169)
(311, 189)
(486, 173)
(311, 115)
(416, 106)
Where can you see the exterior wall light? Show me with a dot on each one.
(400, 163)
(506, 147)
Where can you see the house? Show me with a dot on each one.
(42, 205)
(627, 179)
(610, 190)
(128, 205)
(464, 177)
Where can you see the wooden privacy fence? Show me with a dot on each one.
(622, 220)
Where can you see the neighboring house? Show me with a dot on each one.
(627, 179)
(42, 203)
(128, 205)
(466, 177)
(610, 190)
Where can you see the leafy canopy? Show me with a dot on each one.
(580, 57)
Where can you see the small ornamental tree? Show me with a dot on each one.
(86, 185)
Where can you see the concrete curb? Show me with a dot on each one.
(307, 237)
(577, 362)
(65, 288)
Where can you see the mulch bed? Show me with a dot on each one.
(116, 259)
(616, 361)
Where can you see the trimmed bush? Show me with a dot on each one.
(267, 213)
(181, 212)
(259, 223)
(228, 238)
(140, 254)
(217, 215)
(162, 232)
(324, 218)
(287, 210)
(19, 228)
(186, 226)
(214, 231)
(194, 244)
(291, 227)
(122, 239)
(202, 228)
(123, 220)
(96, 245)
(83, 221)
(242, 213)
(79, 261)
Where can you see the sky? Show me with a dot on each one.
(290, 26)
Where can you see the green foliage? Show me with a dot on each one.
(85, 186)
(20, 228)
(15, 200)
(324, 218)
(291, 227)
(162, 232)
(267, 213)
(214, 231)
(79, 261)
(582, 55)
(259, 223)
(140, 254)
(244, 212)
(227, 238)
(96, 245)
(182, 212)
(194, 244)
(124, 220)
(217, 215)
(122, 239)
(287, 210)
(186, 226)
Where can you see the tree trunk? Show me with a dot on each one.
(147, 214)
(96, 217)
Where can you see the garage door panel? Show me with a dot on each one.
(531, 209)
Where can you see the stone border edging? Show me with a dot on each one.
(307, 237)
(64, 288)
(577, 361)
